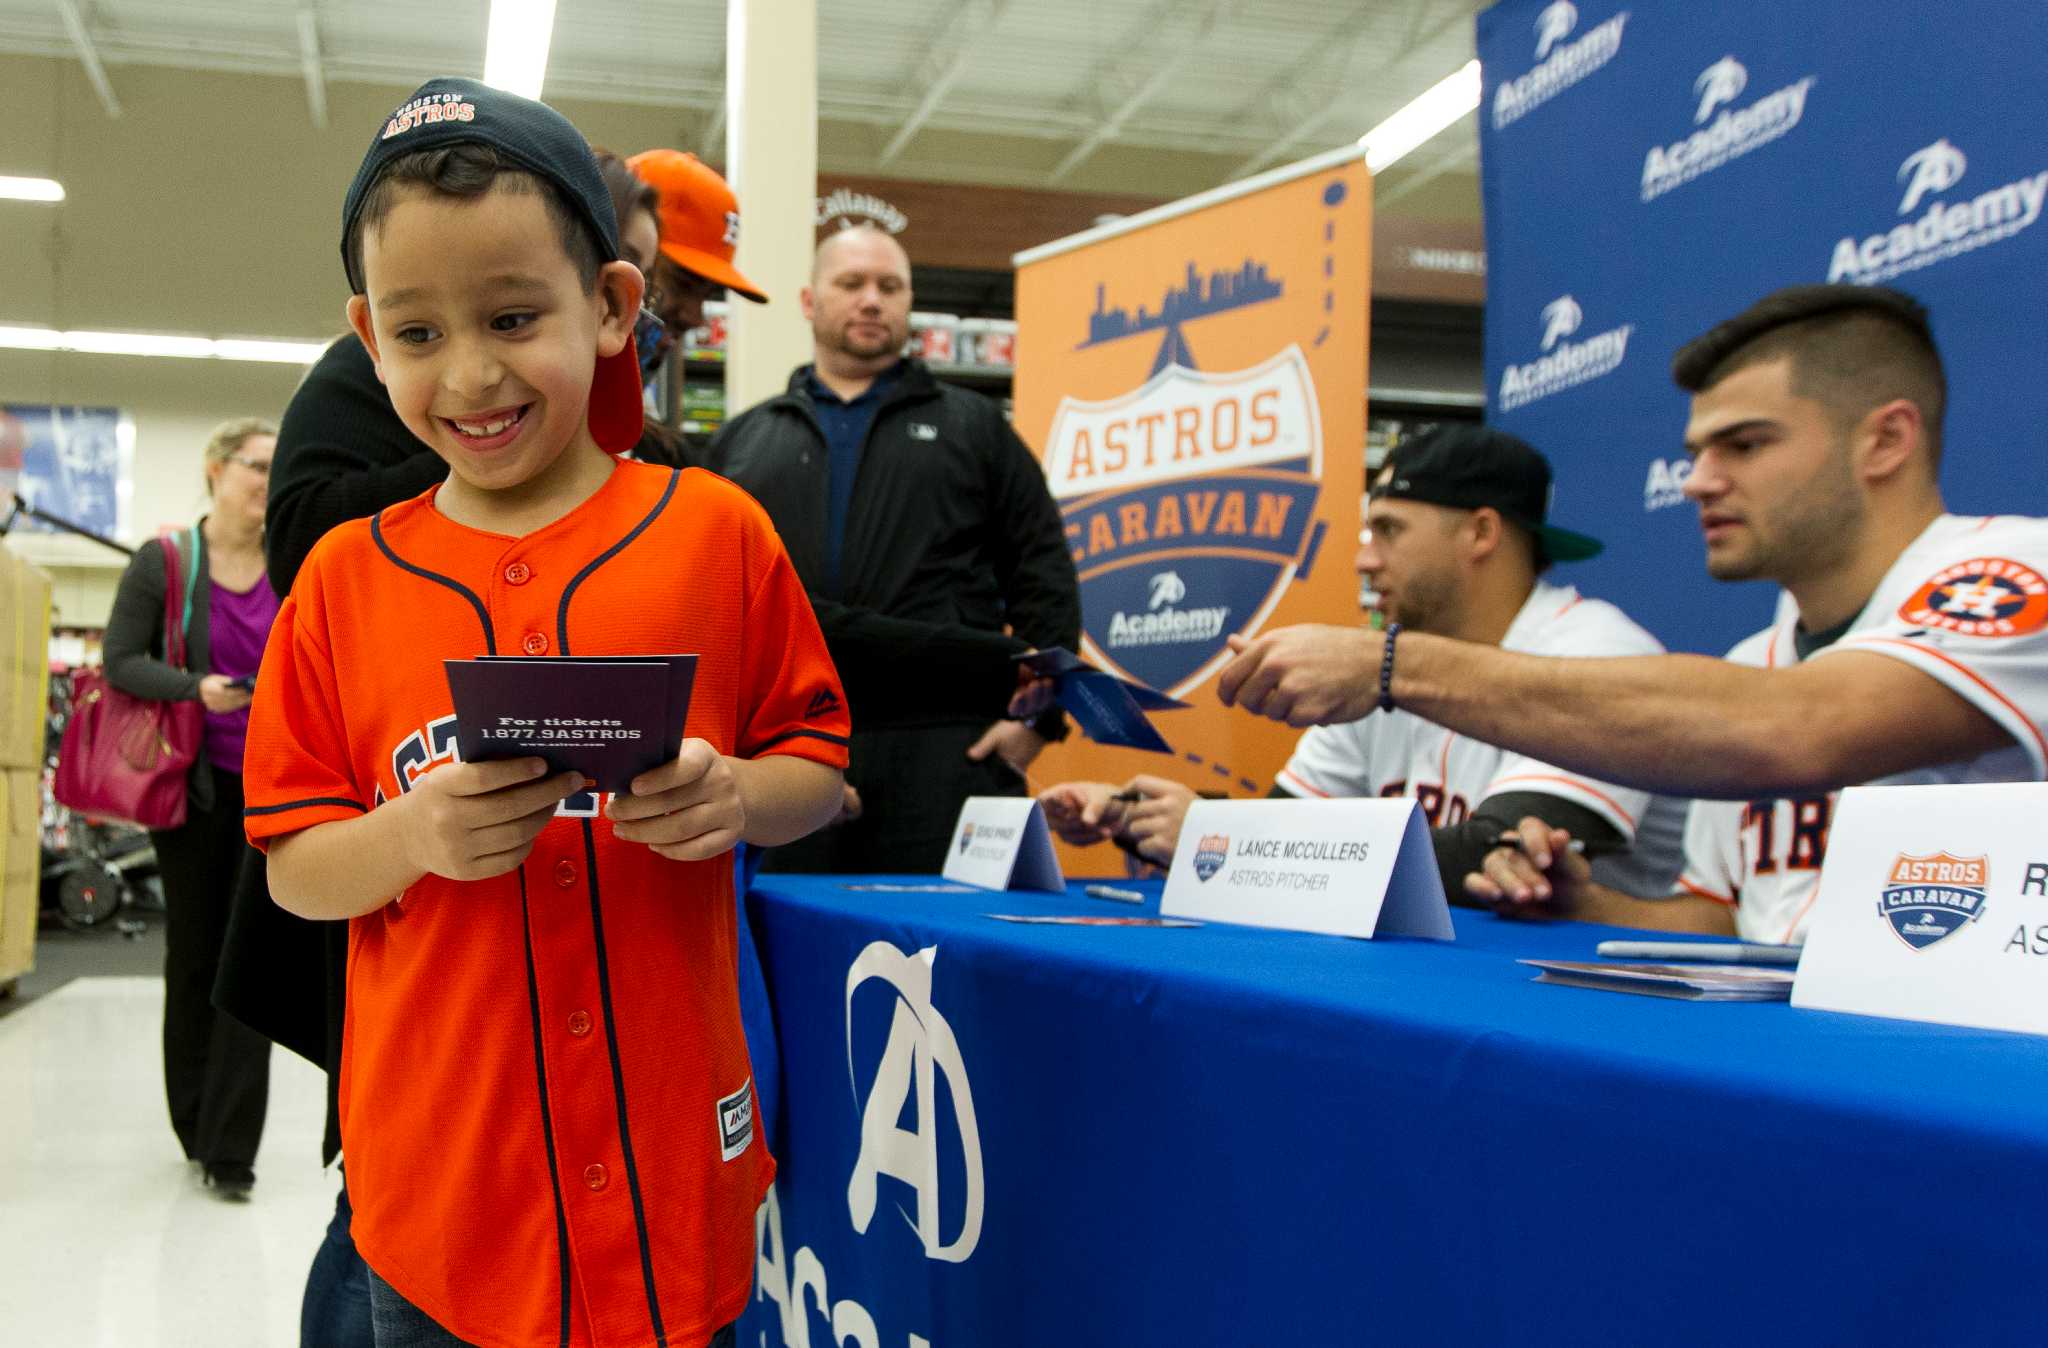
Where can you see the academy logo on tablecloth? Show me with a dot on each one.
(1562, 363)
(1190, 500)
(1946, 228)
(1931, 898)
(1210, 854)
(1729, 136)
(1560, 64)
(921, 1050)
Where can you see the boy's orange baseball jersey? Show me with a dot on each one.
(547, 1113)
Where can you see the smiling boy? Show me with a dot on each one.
(546, 1103)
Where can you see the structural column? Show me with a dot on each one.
(771, 159)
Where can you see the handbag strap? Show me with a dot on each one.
(177, 599)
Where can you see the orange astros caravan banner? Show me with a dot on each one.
(1193, 379)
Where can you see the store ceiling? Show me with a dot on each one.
(1150, 97)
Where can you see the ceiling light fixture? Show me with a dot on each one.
(161, 344)
(1428, 113)
(30, 189)
(516, 50)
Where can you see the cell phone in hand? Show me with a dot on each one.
(247, 683)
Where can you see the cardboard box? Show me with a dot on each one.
(24, 661)
(21, 802)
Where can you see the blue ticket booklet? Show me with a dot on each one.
(610, 718)
(1109, 710)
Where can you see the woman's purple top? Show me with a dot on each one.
(237, 628)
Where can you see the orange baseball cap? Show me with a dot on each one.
(700, 216)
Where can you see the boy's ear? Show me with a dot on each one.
(358, 311)
(621, 287)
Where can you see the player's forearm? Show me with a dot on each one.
(341, 869)
(785, 797)
(1680, 723)
(1597, 903)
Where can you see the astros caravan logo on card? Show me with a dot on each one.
(920, 1051)
(427, 111)
(1945, 229)
(1563, 364)
(1931, 898)
(1983, 597)
(1560, 64)
(1731, 135)
(1210, 854)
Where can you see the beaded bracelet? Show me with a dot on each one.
(1387, 668)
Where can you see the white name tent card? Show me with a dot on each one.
(1002, 842)
(1933, 905)
(1341, 867)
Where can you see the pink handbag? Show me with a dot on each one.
(125, 757)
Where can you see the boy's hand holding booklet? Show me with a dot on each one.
(609, 718)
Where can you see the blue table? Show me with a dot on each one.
(1241, 1137)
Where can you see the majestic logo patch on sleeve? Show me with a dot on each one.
(736, 1122)
(823, 702)
(1983, 597)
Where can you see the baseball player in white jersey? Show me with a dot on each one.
(1455, 540)
(1966, 604)
(1909, 646)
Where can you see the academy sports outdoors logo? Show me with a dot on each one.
(1210, 854)
(1188, 502)
(1665, 486)
(921, 1050)
(1930, 899)
(1946, 228)
(427, 111)
(1983, 597)
(1731, 135)
(1563, 363)
(1560, 64)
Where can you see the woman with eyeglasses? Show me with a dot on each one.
(216, 1071)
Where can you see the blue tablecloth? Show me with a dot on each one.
(1226, 1135)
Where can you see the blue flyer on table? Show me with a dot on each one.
(1109, 710)
(610, 718)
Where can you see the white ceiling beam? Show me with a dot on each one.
(1343, 41)
(1422, 177)
(81, 41)
(1113, 125)
(943, 63)
(309, 65)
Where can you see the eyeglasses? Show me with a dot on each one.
(260, 467)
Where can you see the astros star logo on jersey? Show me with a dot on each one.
(1983, 597)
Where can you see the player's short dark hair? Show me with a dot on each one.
(1852, 348)
(467, 171)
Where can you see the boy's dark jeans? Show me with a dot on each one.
(400, 1324)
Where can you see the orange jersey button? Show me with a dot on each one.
(596, 1177)
(536, 643)
(565, 873)
(579, 1023)
(518, 573)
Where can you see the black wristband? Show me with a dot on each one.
(1387, 668)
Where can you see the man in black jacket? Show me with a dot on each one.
(933, 553)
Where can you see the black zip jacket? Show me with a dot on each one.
(950, 536)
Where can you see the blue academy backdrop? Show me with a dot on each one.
(1652, 169)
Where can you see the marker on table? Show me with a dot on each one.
(1576, 846)
(1112, 892)
(1721, 952)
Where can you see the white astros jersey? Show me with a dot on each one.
(1966, 604)
(1398, 753)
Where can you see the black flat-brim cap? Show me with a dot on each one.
(1466, 467)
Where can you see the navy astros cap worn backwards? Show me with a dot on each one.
(1466, 467)
(453, 111)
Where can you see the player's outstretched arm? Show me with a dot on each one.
(1685, 724)
(469, 821)
(703, 803)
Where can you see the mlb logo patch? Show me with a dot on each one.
(1931, 898)
(1210, 854)
(736, 1122)
(966, 837)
